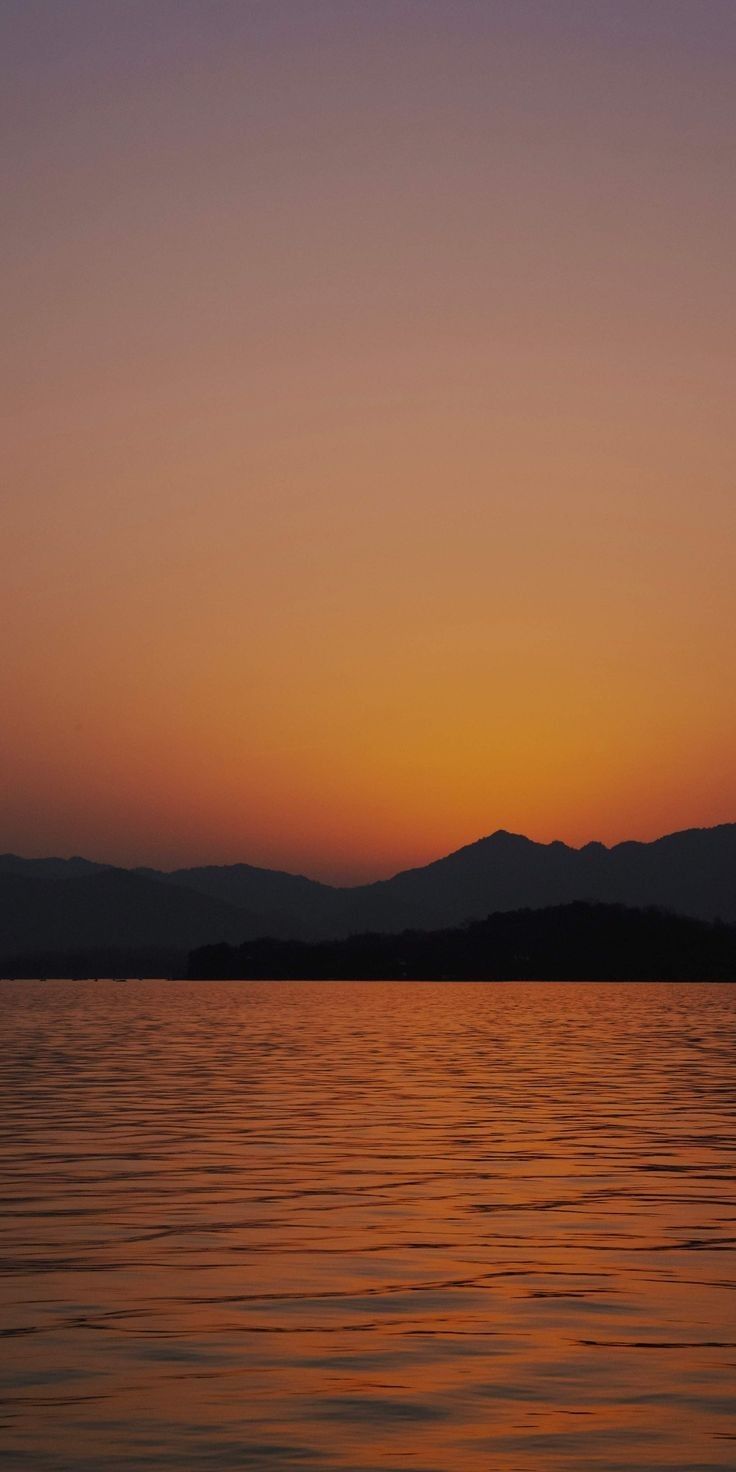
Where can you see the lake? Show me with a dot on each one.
(447, 1227)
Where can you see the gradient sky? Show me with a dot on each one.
(369, 426)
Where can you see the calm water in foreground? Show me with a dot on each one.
(352, 1226)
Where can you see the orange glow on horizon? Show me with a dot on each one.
(370, 440)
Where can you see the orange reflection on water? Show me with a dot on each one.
(369, 1226)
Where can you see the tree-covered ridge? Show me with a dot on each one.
(563, 942)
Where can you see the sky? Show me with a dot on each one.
(368, 392)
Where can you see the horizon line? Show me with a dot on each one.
(381, 879)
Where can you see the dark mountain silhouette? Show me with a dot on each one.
(288, 904)
(107, 908)
(691, 873)
(565, 942)
(60, 905)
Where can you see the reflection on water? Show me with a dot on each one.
(440, 1227)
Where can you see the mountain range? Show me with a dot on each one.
(65, 906)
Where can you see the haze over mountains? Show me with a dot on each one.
(76, 905)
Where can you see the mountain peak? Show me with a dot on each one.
(502, 836)
(67, 903)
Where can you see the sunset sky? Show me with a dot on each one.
(369, 426)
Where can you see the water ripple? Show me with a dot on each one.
(358, 1227)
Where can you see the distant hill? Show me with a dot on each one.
(109, 907)
(58, 905)
(690, 873)
(564, 942)
(285, 904)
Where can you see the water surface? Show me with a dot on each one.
(368, 1226)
